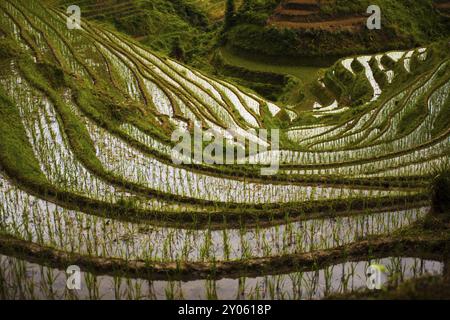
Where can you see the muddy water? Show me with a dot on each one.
(22, 279)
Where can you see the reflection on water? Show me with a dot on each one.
(23, 280)
(32, 219)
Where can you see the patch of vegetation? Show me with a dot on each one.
(215, 9)
(16, 154)
(357, 67)
(388, 62)
(345, 76)
(441, 190)
(281, 66)
(361, 90)
(53, 74)
(348, 89)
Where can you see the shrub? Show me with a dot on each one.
(387, 62)
(380, 76)
(345, 76)
(441, 191)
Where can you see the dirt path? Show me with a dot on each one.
(351, 23)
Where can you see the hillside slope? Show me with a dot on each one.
(175, 26)
(89, 174)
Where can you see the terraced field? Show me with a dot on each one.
(306, 14)
(105, 9)
(87, 176)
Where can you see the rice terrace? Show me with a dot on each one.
(220, 149)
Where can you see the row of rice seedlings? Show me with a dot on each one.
(221, 111)
(22, 19)
(426, 168)
(123, 70)
(57, 161)
(234, 101)
(20, 279)
(320, 157)
(392, 129)
(390, 134)
(385, 112)
(129, 163)
(415, 157)
(188, 106)
(132, 88)
(88, 55)
(360, 124)
(54, 38)
(31, 219)
(300, 134)
(320, 283)
(250, 101)
(13, 29)
(75, 38)
(145, 139)
(209, 88)
(356, 134)
(160, 99)
(420, 135)
(364, 60)
(172, 87)
(152, 143)
(337, 131)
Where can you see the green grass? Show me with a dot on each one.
(295, 92)
(214, 8)
(441, 191)
(8, 48)
(254, 63)
(412, 118)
